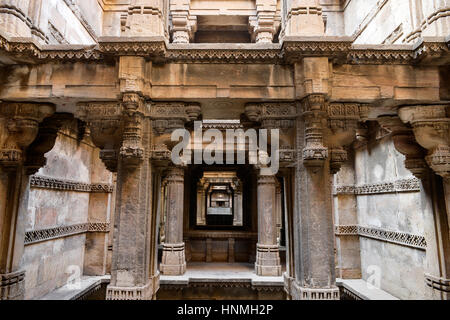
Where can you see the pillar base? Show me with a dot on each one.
(302, 293)
(146, 292)
(268, 261)
(440, 286)
(173, 260)
(12, 286)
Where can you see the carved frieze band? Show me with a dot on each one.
(276, 53)
(404, 185)
(68, 185)
(36, 236)
(401, 238)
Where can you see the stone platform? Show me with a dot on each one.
(221, 281)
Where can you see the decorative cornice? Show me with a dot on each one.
(342, 50)
(404, 185)
(225, 55)
(68, 185)
(401, 238)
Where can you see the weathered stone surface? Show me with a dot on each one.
(92, 90)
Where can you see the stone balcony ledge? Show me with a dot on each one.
(87, 286)
(361, 290)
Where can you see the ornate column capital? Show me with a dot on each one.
(343, 120)
(174, 175)
(406, 144)
(431, 127)
(281, 116)
(20, 126)
(167, 117)
(105, 122)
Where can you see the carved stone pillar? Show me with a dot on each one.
(173, 260)
(267, 251)
(19, 126)
(144, 18)
(314, 231)
(265, 25)
(304, 18)
(183, 25)
(122, 132)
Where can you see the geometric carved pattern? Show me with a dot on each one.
(67, 185)
(54, 233)
(99, 227)
(276, 54)
(36, 236)
(401, 238)
(405, 185)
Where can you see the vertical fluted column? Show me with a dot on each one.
(173, 259)
(267, 251)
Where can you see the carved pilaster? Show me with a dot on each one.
(265, 24)
(183, 25)
(144, 18)
(304, 19)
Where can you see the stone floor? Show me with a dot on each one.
(201, 271)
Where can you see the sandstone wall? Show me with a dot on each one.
(49, 262)
(401, 266)
(395, 21)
